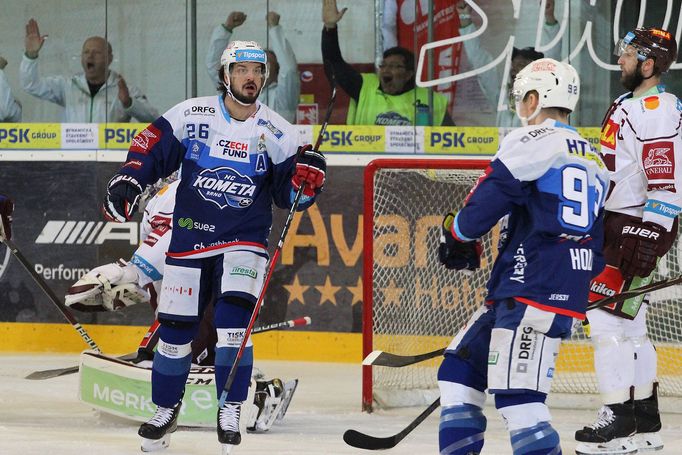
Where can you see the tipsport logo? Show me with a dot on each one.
(225, 187)
(250, 56)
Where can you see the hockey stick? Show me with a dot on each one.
(364, 441)
(629, 294)
(273, 260)
(284, 324)
(49, 374)
(386, 359)
(50, 294)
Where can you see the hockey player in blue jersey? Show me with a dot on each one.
(546, 185)
(236, 158)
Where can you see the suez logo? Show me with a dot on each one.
(63, 232)
(189, 224)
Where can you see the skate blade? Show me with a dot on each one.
(647, 442)
(618, 446)
(154, 445)
(226, 449)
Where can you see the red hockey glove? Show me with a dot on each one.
(123, 196)
(6, 209)
(454, 254)
(311, 167)
(640, 248)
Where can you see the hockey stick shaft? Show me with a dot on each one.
(63, 309)
(386, 359)
(48, 374)
(273, 261)
(283, 325)
(629, 294)
(364, 441)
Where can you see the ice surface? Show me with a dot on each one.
(47, 418)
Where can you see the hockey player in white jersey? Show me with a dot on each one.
(641, 146)
(237, 158)
(547, 185)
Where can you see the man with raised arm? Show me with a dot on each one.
(238, 158)
(641, 145)
(546, 186)
(388, 97)
(10, 108)
(283, 87)
(96, 95)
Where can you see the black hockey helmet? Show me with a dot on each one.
(651, 42)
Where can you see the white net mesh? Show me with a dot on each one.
(418, 305)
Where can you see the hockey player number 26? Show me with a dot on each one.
(576, 197)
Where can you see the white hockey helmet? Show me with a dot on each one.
(243, 51)
(557, 84)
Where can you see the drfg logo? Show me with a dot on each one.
(60, 232)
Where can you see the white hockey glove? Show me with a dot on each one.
(110, 287)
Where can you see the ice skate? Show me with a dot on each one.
(610, 434)
(157, 431)
(228, 427)
(648, 422)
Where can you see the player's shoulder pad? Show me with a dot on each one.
(655, 115)
(528, 152)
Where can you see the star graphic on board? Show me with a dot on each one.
(392, 293)
(296, 290)
(356, 292)
(328, 291)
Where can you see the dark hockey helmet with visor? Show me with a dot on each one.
(653, 43)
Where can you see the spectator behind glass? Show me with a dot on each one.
(95, 96)
(283, 87)
(10, 109)
(387, 98)
(490, 81)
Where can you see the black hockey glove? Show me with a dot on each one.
(640, 248)
(454, 254)
(311, 168)
(6, 209)
(122, 199)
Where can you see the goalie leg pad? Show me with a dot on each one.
(107, 288)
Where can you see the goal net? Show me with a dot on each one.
(414, 305)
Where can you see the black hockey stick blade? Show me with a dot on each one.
(386, 359)
(635, 292)
(49, 374)
(364, 441)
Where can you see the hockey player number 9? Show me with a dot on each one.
(576, 195)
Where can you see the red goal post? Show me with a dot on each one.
(413, 305)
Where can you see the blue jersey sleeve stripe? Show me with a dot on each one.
(457, 233)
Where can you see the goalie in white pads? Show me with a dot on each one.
(547, 185)
(114, 286)
(641, 145)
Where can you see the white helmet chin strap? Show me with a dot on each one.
(525, 120)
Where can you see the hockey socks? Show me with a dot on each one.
(540, 439)
(461, 430)
(224, 357)
(172, 362)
